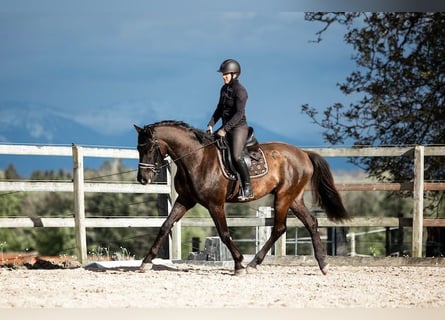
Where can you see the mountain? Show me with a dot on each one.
(37, 124)
(26, 123)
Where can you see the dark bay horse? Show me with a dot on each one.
(199, 179)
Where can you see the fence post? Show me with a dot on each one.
(280, 246)
(263, 232)
(175, 243)
(79, 204)
(353, 252)
(418, 190)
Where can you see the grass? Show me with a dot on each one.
(105, 254)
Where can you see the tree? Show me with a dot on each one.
(11, 173)
(13, 239)
(399, 84)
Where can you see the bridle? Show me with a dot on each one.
(152, 167)
(156, 167)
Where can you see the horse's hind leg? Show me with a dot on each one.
(311, 224)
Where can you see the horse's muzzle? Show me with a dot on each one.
(147, 172)
(144, 178)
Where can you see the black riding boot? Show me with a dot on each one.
(246, 191)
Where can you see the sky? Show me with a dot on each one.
(109, 64)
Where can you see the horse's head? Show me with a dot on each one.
(150, 157)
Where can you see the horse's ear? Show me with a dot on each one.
(138, 129)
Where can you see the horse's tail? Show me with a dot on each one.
(324, 192)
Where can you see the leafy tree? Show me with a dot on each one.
(399, 84)
(13, 239)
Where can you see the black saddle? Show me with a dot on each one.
(249, 152)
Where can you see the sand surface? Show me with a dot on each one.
(203, 286)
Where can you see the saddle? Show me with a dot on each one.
(253, 156)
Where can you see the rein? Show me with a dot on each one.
(157, 168)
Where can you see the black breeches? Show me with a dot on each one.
(237, 138)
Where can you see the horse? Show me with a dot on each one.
(199, 179)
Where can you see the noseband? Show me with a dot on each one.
(155, 168)
(152, 167)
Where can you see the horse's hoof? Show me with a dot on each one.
(325, 269)
(251, 270)
(146, 267)
(240, 272)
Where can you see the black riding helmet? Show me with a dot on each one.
(230, 66)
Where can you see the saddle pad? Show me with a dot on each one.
(258, 165)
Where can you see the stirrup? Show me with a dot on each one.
(244, 197)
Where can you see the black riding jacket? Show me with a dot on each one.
(231, 106)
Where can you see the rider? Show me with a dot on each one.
(231, 110)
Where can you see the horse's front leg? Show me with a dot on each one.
(179, 209)
(278, 229)
(218, 215)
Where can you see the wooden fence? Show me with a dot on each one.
(79, 187)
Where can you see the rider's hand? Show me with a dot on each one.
(209, 130)
(221, 133)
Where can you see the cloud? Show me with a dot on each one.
(118, 118)
(37, 130)
(111, 66)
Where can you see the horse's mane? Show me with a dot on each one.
(200, 135)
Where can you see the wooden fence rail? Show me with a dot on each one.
(79, 187)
